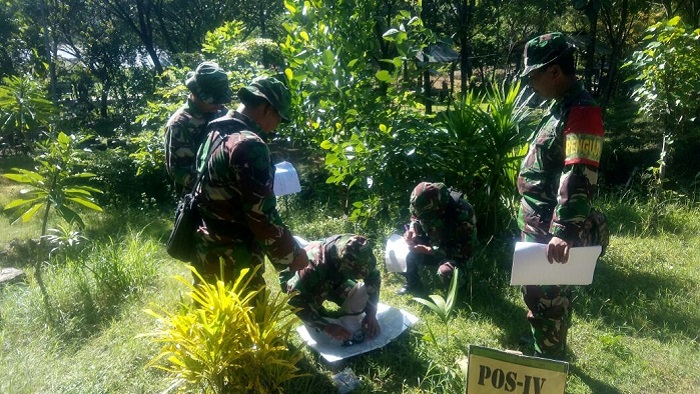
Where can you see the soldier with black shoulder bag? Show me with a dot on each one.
(181, 242)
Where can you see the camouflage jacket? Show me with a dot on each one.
(559, 175)
(235, 198)
(323, 279)
(184, 133)
(453, 235)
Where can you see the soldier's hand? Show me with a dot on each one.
(421, 249)
(558, 250)
(371, 325)
(337, 332)
(410, 237)
(301, 261)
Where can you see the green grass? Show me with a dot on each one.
(635, 330)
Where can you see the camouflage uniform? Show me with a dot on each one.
(336, 265)
(184, 133)
(445, 221)
(239, 220)
(557, 181)
(186, 128)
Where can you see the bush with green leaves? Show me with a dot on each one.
(346, 65)
(489, 139)
(24, 111)
(667, 70)
(58, 181)
(354, 89)
(228, 337)
(133, 174)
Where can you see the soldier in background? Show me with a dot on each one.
(442, 233)
(240, 224)
(557, 180)
(186, 129)
(337, 264)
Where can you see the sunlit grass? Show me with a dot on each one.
(635, 328)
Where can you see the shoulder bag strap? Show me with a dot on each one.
(200, 171)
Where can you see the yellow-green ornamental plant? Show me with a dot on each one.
(228, 338)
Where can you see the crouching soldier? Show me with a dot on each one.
(442, 233)
(343, 270)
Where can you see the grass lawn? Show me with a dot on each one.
(635, 329)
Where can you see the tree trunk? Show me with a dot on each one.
(664, 157)
(426, 91)
(464, 19)
(104, 97)
(158, 9)
(50, 59)
(592, 13)
(142, 26)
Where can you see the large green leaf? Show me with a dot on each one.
(429, 304)
(77, 190)
(26, 216)
(20, 202)
(86, 203)
(25, 176)
(70, 215)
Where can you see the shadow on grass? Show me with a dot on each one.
(595, 385)
(637, 218)
(647, 304)
(398, 360)
(84, 290)
(153, 223)
(390, 367)
(492, 295)
(314, 381)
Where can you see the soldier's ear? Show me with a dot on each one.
(554, 71)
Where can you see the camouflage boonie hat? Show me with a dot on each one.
(428, 200)
(542, 50)
(354, 254)
(272, 90)
(209, 83)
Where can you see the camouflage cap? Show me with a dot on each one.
(353, 254)
(209, 83)
(273, 91)
(428, 200)
(542, 50)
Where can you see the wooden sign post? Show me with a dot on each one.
(495, 372)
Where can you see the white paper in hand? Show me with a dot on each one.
(396, 252)
(286, 179)
(300, 241)
(531, 267)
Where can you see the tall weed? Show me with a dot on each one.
(82, 293)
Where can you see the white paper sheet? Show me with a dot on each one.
(396, 252)
(391, 320)
(286, 179)
(300, 241)
(530, 266)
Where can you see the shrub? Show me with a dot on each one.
(231, 338)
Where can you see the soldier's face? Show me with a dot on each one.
(271, 119)
(205, 107)
(542, 82)
(211, 108)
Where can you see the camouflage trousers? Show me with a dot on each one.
(217, 259)
(549, 313)
(445, 268)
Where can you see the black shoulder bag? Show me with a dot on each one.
(181, 242)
